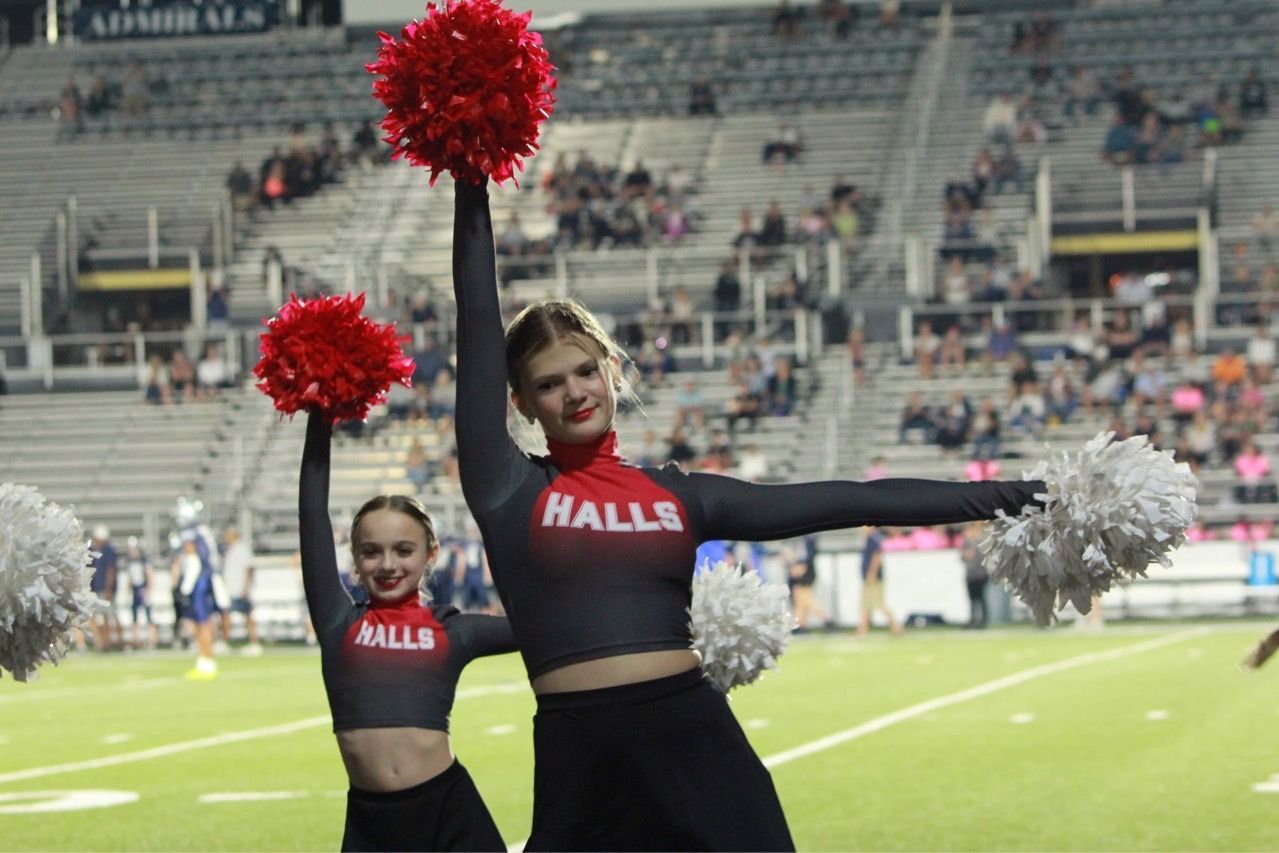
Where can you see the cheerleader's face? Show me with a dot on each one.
(569, 391)
(391, 555)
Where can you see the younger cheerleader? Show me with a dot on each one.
(391, 668)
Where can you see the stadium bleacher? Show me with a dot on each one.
(897, 113)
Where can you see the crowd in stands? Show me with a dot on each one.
(130, 95)
(597, 205)
(838, 18)
(300, 169)
(1137, 378)
(177, 380)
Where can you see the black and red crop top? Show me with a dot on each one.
(594, 557)
(386, 664)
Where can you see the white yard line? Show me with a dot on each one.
(216, 740)
(880, 723)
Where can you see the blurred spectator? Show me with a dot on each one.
(107, 633)
(1120, 141)
(956, 288)
(1121, 338)
(158, 390)
(1062, 397)
(1000, 120)
(364, 145)
(1001, 340)
(417, 465)
(135, 94)
(443, 395)
(101, 97)
(978, 470)
(1083, 92)
(1029, 410)
(772, 231)
(752, 464)
(1201, 438)
(701, 98)
(783, 388)
(679, 450)
(181, 376)
(889, 11)
(218, 308)
(952, 355)
(876, 470)
(651, 453)
(70, 109)
(845, 224)
(788, 22)
(840, 17)
(784, 147)
(953, 422)
(1006, 169)
(1149, 383)
(1265, 228)
(212, 373)
(857, 355)
(745, 404)
(1253, 469)
(1252, 95)
(926, 345)
(1228, 370)
(1261, 354)
(985, 430)
(690, 406)
(240, 185)
(916, 425)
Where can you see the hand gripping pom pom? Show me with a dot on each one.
(466, 90)
(1111, 510)
(45, 567)
(323, 354)
(740, 625)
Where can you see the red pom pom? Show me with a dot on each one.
(466, 90)
(323, 354)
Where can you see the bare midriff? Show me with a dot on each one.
(392, 759)
(616, 670)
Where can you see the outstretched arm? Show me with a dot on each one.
(485, 449)
(735, 509)
(325, 597)
(487, 635)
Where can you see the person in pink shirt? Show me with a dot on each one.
(1253, 469)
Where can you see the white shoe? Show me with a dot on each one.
(220, 647)
(252, 650)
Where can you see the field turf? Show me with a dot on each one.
(1136, 738)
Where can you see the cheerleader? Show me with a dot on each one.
(593, 560)
(391, 667)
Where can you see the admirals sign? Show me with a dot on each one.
(115, 20)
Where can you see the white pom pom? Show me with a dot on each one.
(45, 568)
(1112, 509)
(740, 625)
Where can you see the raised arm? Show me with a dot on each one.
(735, 509)
(325, 596)
(484, 447)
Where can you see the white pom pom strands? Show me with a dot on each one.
(740, 625)
(1111, 510)
(44, 580)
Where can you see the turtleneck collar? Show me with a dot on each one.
(412, 601)
(600, 450)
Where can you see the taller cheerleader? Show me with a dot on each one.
(593, 559)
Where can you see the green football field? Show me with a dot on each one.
(1137, 738)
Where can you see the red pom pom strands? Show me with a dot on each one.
(466, 90)
(323, 354)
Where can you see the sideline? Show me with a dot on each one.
(217, 740)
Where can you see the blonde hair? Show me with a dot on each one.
(543, 323)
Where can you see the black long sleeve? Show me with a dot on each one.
(486, 452)
(326, 599)
(735, 509)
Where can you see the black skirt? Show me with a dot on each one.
(443, 813)
(659, 765)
